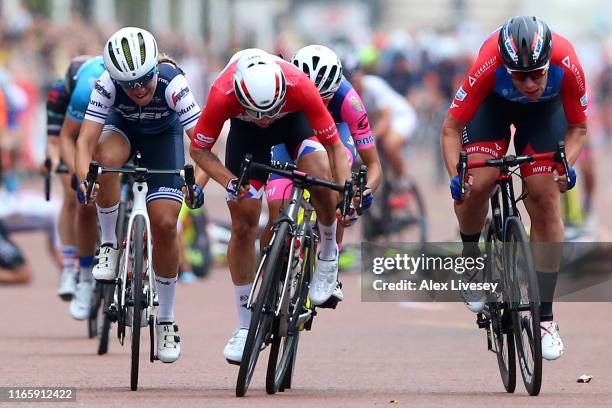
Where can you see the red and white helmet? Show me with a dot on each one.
(259, 83)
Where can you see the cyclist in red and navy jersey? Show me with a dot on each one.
(268, 101)
(530, 78)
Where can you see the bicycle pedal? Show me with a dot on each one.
(233, 362)
(330, 303)
(112, 313)
(482, 321)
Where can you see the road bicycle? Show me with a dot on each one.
(135, 294)
(511, 316)
(279, 297)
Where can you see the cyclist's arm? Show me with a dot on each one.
(200, 175)
(383, 122)
(57, 103)
(85, 146)
(205, 134)
(370, 158)
(575, 140)
(450, 140)
(68, 135)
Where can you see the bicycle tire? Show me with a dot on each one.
(137, 296)
(524, 328)
(261, 321)
(277, 372)
(500, 316)
(107, 299)
(94, 308)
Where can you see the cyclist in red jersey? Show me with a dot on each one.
(268, 101)
(530, 78)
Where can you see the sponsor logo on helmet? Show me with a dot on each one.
(584, 100)
(538, 41)
(509, 45)
(101, 90)
(176, 97)
(355, 104)
(461, 94)
(204, 139)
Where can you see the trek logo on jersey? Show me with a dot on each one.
(176, 97)
(101, 90)
(584, 100)
(146, 115)
(460, 95)
(355, 104)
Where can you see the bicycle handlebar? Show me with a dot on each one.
(138, 173)
(291, 172)
(61, 169)
(558, 156)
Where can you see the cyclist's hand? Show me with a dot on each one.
(561, 181)
(198, 197)
(233, 193)
(82, 192)
(349, 219)
(455, 188)
(368, 199)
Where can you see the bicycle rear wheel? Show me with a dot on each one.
(525, 303)
(263, 311)
(137, 296)
(499, 314)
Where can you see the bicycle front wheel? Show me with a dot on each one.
(525, 303)
(500, 315)
(138, 230)
(263, 311)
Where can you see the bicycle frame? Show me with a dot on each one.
(140, 190)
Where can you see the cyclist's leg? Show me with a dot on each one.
(244, 138)
(485, 136)
(540, 129)
(351, 152)
(67, 231)
(278, 189)
(113, 150)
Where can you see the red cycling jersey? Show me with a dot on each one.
(301, 96)
(488, 74)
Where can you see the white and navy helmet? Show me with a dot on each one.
(130, 56)
(259, 83)
(323, 67)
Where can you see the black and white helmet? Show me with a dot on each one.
(130, 54)
(323, 67)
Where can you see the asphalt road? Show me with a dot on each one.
(361, 354)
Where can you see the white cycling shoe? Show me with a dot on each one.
(67, 285)
(324, 281)
(168, 342)
(235, 346)
(106, 268)
(552, 345)
(80, 305)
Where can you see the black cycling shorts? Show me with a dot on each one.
(246, 137)
(10, 255)
(539, 127)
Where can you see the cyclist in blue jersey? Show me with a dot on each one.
(66, 105)
(142, 102)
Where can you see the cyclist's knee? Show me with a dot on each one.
(244, 229)
(164, 228)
